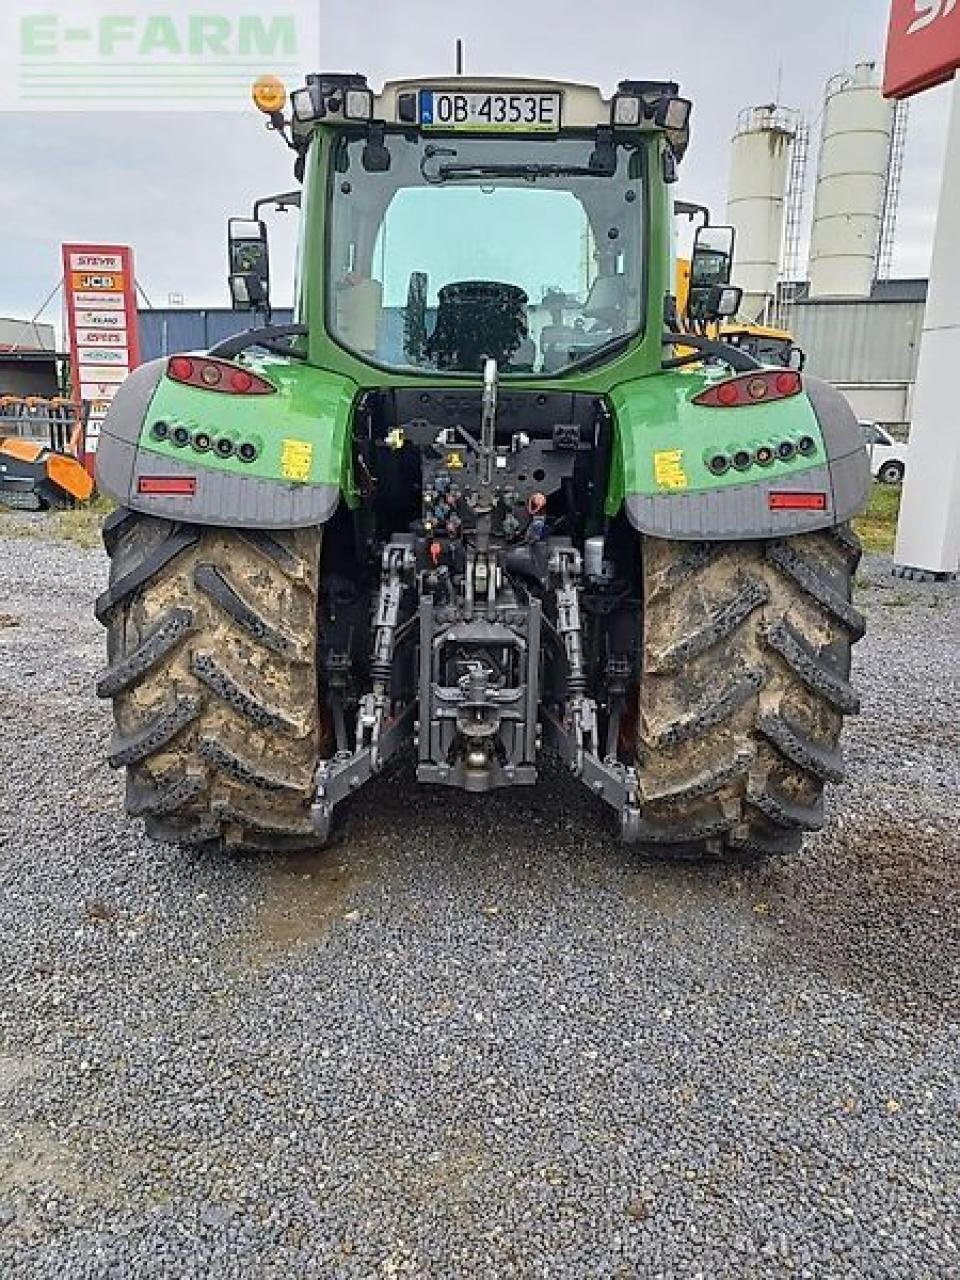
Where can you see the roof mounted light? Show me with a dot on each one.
(269, 95)
(358, 104)
(334, 96)
(672, 113)
(306, 106)
(627, 110)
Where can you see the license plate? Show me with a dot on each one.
(500, 112)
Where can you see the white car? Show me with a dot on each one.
(888, 457)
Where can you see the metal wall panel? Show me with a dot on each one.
(871, 342)
(164, 332)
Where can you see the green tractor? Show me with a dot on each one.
(490, 497)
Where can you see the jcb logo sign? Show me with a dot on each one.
(929, 11)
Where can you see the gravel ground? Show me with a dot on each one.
(476, 1037)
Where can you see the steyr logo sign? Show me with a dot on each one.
(923, 45)
(160, 55)
(929, 11)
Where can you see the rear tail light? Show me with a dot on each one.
(217, 375)
(751, 388)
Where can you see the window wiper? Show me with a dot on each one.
(530, 172)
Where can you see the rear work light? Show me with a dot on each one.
(217, 375)
(185, 486)
(758, 387)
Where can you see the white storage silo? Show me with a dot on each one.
(852, 178)
(759, 160)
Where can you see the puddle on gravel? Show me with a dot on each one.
(302, 894)
(876, 907)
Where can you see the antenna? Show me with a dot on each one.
(459, 57)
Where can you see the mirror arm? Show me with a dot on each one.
(285, 200)
(266, 336)
(685, 209)
(739, 361)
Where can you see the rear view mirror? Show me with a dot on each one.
(249, 263)
(727, 301)
(712, 261)
(715, 302)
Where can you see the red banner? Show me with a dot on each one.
(101, 304)
(923, 45)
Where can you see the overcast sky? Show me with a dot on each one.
(165, 183)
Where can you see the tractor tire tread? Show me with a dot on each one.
(157, 644)
(211, 755)
(745, 666)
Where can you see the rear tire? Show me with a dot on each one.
(744, 688)
(891, 473)
(212, 671)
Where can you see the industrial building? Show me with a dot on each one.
(28, 359)
(859, 328)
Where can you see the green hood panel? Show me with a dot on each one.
(302, 433)
(663, 440)
(663, 443)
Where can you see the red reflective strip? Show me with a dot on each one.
(168, 484)
(797, 501)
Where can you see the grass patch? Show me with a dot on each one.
(79, 524)
(877, 526)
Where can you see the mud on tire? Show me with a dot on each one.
(212, 671)
(745, 685)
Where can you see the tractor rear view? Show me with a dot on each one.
(478, 503)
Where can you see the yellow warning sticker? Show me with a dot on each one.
(454, 461)
(668, 469)
(296, 459)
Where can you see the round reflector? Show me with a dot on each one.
(757, 388)
(180, 368)
(787, 384)
(240, 380)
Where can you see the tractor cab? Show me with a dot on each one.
(452, 220)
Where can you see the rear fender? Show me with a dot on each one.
(663, 442)
(301, 433)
